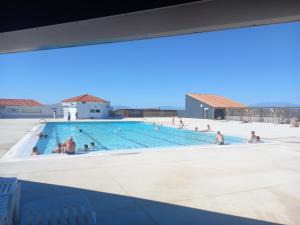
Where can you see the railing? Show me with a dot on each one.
(279, 115)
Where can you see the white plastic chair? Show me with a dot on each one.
(10, 187)
(70, 210)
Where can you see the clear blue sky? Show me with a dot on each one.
(250, 65)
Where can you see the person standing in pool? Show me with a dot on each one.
(69, 116)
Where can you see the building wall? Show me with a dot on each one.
(30, 111)
(193, 109)
(86, 110)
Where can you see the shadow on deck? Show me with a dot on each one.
(113, 209)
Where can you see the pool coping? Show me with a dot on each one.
(22, 149)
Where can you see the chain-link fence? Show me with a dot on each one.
(264, 114)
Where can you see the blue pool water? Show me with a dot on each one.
(109, 136)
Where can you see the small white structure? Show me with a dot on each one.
(86, 107)
(28, 108)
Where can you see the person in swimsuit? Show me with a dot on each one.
(35, 151)
(70, 146)
(219, 138)
(58, 149)
(181, 124)
(252, 137)
(93, 146)
(257, 139)
(207, 129)
(85, 148)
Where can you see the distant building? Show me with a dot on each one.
(27, 108)
(86, 106)
(209, 106)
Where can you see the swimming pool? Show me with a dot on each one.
(109, 136)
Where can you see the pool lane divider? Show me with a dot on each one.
(162, 139)
(94, 139)
(129, 139)
(126, 138)
(182, 136)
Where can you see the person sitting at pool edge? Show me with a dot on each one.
(70, 146)
(207, 129)
(219, 138)
(252, 137)
(58, 149)
(35, 151)
(257, 139)
(181, 124)
(295, 122)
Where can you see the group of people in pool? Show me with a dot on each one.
(219, 139)
(68, 147)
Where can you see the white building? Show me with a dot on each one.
(28, 108)
(86, 106)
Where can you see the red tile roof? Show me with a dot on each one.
(216, 101)
(85, 98)
(19, 102)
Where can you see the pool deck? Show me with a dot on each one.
(241, 184)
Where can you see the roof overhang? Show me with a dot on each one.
(199, 16)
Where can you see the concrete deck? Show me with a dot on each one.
(249, 184)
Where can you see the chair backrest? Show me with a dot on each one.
(3, 209)
(8, 185)
(69, 210)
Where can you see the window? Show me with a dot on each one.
(95, 111)
(12, 110)
(31, 110)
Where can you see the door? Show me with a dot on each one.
(219, 114)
